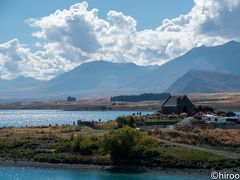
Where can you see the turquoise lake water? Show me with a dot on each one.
(19, 173)
(18, 118)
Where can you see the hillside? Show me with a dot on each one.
(104, 79)
(97, 77)
(223, 58)
(19, 84)
(196, 81)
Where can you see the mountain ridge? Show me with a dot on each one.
(104, 79)
(199, 81)
(224, 58)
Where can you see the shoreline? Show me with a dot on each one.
(233, 109)
(83, 109)
(112, 169)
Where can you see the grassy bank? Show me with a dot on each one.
(83, 145)
(223, 137)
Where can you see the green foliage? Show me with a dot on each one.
(125, 120)
(81, 143)
(187, 158)
(205, 109)
(141, 97)
(161, 121)
(128, 144)
(71, 159)
(4, 145)
(230, 114)
(173, 116)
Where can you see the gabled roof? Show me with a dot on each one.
(172, 101)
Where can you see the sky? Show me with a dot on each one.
(148, 13)
(43, 39)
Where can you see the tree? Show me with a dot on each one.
(126, 120)
(128, 144)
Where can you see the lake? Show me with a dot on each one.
(18, 118)
(20, 173)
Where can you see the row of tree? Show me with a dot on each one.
(141, 97)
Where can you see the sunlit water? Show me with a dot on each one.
(19, 118)
(17, 173)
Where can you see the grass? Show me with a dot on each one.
(227, 139)
(161, 121)
(173, 156)
(55, 145)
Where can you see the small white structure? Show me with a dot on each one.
(209, 118)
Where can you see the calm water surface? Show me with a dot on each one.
(18, 118)
(17, 173)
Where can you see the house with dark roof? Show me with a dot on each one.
(177, 105)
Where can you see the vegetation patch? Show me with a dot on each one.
(122, 146)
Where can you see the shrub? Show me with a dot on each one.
(205, 109)
(198, 115)
(82, 143)
(183, 115)
(173, 116)
(128, 144)
(230, 113)
(126, 120)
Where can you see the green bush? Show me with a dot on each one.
(125, 120)
(129, 144)
(128, 121)
(205, 109)
(82, 143)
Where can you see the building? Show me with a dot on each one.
(71, 99)
(177, 105)
(209, 118)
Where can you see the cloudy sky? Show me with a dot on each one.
(46, 38)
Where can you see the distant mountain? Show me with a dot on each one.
(223, 58)
(95, 77)
(105, 79)
(19, 84)
(196, 81)
(19, 89)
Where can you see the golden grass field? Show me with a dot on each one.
(62, 132)
(220, 101)
(216, 137)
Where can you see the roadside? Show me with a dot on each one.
(226, 154)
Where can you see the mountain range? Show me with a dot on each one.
(202, 69)
(19, 84)
(223, 58)
(98, 78)
(196, 81)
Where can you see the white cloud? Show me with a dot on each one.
(71, 37)
(16, 60)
